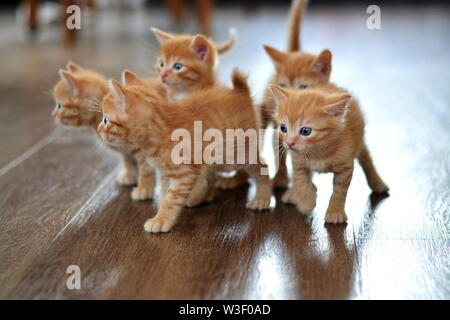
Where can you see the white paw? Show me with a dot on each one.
(155, 225)
(126, 178)
(259, 204)
(141, 193)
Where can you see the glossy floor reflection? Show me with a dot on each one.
(60, 205)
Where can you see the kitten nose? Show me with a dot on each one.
(290, 143)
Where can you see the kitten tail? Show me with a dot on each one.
(373, 179)
(295, 17)
(224, 47)
(240, 81)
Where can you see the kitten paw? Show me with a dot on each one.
(202, 192)
(281, 180)
(335, 217)
(233, 182)
(259, 204)
(305, 200)
(142, 193)
(290, 196)
(156, 225)
(380, 187)
(126, 178)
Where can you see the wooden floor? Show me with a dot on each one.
(60, 205)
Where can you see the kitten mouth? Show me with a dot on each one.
(165, 82)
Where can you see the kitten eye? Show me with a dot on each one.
(305, 131)
(106, 120)
(178, 66)
(303, 86)
(283, 85)
(283, 128)
(162, 63)
(59, 106)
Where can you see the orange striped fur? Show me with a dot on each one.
(136, 118)
(197, 56)
(335, 140)
(295, 69)
(78, 95)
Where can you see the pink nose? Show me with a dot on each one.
(290, 143)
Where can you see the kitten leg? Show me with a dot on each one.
(164, 186)
(373, 179)
(239, 179)
(203, 190)
(127, 176)
(281, 179)
(303, 191)
(261, 200)
(147, 180)
(171, 205)
(336, 207)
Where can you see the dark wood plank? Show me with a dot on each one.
(36, 205)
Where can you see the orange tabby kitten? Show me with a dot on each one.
(324, 129)
(76, 94)
(137, 119)
(295, 69)
(187, 63)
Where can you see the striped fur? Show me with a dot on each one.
(198, 55)
(150, 122)
(336, 139)
(78, 96)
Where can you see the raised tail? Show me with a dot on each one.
(224, 47)
(240, 81)
(373, 179)
(295, 17)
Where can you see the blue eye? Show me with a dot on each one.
(106, 120)
(303, 86)
(162, 63)
(59, 106)
(305, 131)
(283, 85)
(283, 128)
(178, 66)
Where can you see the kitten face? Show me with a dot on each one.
(75, 94)
(185, 62)
(299, 70)
(125, 114)
(308, 119)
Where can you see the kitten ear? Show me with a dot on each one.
(161, 35)
(200, 46)
(129, 78)
(72, 83)
(121, 94)
(279, 94)
(338, 105)
(276, 55)
(72, 67)
(322, 63)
